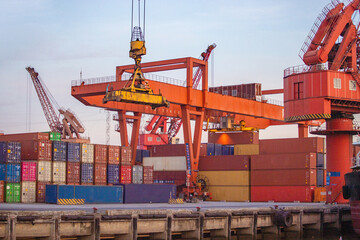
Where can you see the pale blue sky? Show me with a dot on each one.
(256, 41)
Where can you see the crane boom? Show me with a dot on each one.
(49, 111)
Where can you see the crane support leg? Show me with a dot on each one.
(194, 145)
(134, 134)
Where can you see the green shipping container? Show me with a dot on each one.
(13, 192)
(55, 136)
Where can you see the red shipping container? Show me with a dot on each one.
(170, 150)
(203, 149)
(73, 173)
(283, 177)
(283, 161)
(292, 145)
(229, 138)
(125, 174)
(2, 191)
(40, 191)
(281, 193)
(170, 175)
(113, 155)
(36, 150)
(24, 136)
(224, 163)
(100, 170)
(100, 153)
(148, 172)
(125, 156)
(28, 171)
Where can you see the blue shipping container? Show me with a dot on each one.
(87, 172)
(225, 150)
(2, 172)
(13, 172)
(73, 152)
(218, 149)
(113, 174)
(58, 151)
(145, 153)
(320, 160)
(148, 193)
(138, 157)
(10, 152)
(210, 149)
(91, 194)
(231, 150)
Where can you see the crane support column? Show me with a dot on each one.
(134, 134)
(194, 146)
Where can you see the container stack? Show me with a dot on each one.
(28, 181)
(87, 164)
(113, 166)
(285, 170)
(58, 162)
(100, 164)
(125, 165)
(10, 171)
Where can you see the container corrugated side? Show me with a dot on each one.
(12, 192)
(227, 178)
(320, 177)
(54, 136)
(148, 193)
(13, 173)
(58, 151)
(137, 174)
(91, 194)
(281, 193)
(87, 173)
(125, 174)
(173, 177)
(44, 171)
(224, 163)
(166, 163)
(284, 161)
(73, 173)
(28, 192)
(283, 177)
(168, 150)
(234, 138)
(24, 136)
(291, 145)
(10, 152)
(148, 174)
(100, 170)
(230, 193)
(2, 191)
(87, 153)
(320, 160)
(40, 191)
(59, 172)
(113, 173)
(113, 154)
(100, 153)
(36, 150)
(125, 155)
(246, 149)
(28, 171)
(73, 152)
(2, 172)
(320, 194)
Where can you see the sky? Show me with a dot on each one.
(256, 41)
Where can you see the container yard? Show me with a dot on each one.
(192, 162)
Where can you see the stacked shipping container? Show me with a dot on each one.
(285, 170)
(125, 165)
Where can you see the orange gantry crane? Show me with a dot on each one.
(327, 87)
(70, 126)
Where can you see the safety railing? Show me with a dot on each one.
(272, 101)
(313, 68)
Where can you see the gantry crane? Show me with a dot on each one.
(328, 87)
(175, 123)
(70, 126)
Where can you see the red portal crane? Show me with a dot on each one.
(70, 126)
(175, 123)
(328, 87)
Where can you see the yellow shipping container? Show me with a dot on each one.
(246, 149)
(227, 178)
(230, 193)
(320, 194)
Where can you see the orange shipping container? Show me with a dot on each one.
(283, 177)
(125, 156)
(100, 170)
(24, 136)
(292, 145)
(113, 155)
(283, 161)
(320, 194)
(234, 138)
(2, 191)
(100, 153)
(36, 150)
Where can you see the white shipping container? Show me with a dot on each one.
(87, 153)
(59, 172)
(137, 174)
(28, 192)
(166, 163)
(44, 171)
